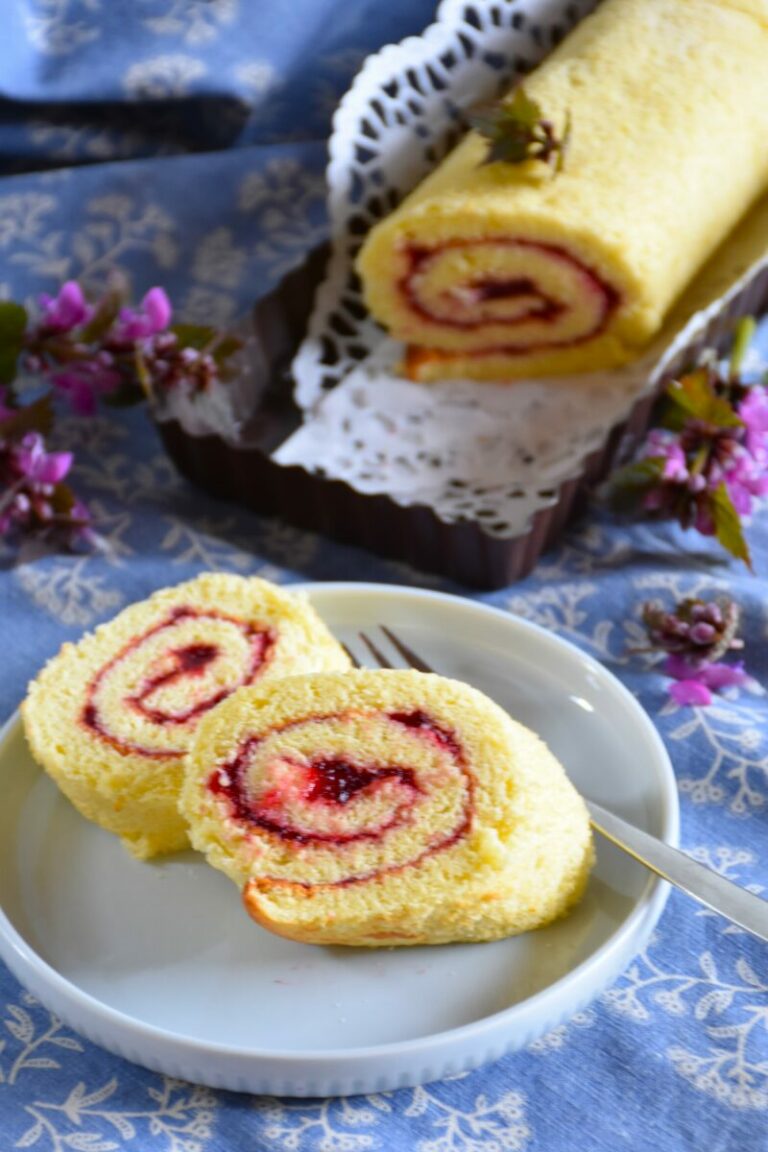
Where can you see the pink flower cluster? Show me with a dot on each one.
(696, 634)
(88, 352)
(705, 464)
(33, 496)
(696, 461)
(84, 365)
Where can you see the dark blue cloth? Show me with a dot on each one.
(183, 141)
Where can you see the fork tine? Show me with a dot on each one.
(375, 651)
(355, 662)
(407, 653)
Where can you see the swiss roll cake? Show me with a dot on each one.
(498, 270)
(111, 717)
(379, 808)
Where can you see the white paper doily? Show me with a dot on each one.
(487, 452)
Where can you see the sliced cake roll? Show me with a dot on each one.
(385, 808)
(111, 717)
(497, 270)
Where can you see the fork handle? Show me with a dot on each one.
(737, 904)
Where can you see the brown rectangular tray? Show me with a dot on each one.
(462, 551)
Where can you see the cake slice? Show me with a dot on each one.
(384, 808)
(111, 717)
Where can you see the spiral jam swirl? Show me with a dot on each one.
(163, 680)
(350, 794)
(504, 296)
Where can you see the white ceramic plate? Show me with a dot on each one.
(158, 962)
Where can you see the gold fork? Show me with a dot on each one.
(737, 904)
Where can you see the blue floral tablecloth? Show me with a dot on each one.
(183, 141)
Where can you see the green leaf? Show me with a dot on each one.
(639, 472)
(517, 131)
(226, 347)
(13, 324)
(509, 149)
(197, 336)
(727, 523)
(693, 397)
(34, 417)
(521, 109)
(106, 312)
(629, 483)
(63, 499)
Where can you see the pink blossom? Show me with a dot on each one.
(746, 478)
(39, 466)
(753, 410)
(661, 444)
(82, 383)
(65, 311)
(691, 692)
(694, 683)
(158, 309)
(152, 316)
(717, 676)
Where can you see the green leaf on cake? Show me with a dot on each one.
(517, 131)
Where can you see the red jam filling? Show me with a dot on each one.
(337, 781)
(331, 781)
(544, 309)
(427, 726)
(187, 662)
(488, 289)
(334, 782)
